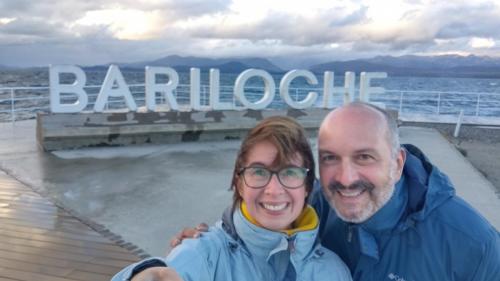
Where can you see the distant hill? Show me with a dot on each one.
(224, 64)
(6, 67)
(423, 66)
(446, 65)
(443, 62)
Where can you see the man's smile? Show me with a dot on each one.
(354, 190)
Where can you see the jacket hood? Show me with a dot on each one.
(228, 225)
(425, 182)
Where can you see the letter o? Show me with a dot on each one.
(269, 88)
(285, 85)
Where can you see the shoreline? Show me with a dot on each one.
(480, 144)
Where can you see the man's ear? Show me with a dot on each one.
(400, 162)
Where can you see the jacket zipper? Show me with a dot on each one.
(291, 245)
(349, 233)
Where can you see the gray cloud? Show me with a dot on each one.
(44, 31)
(68, 8)
(326, 27)
(54, 14)
(446, 21)
(442, 21)
(184, 8)
(32, 27)
(50, 10)
(482, 20)
(355, 17)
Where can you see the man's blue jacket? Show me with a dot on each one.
(425, 232)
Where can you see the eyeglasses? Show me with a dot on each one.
(258, 177)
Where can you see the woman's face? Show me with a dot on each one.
(273, 206)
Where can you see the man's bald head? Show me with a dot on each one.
(379, 116)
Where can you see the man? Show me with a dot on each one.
(388, 212)
(395, 216)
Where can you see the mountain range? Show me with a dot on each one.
(445, 65)
(183, 64)
(410, 65)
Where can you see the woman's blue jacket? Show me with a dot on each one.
(237, 250)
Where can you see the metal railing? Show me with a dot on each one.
(19, 103)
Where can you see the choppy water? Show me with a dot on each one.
(418, 95)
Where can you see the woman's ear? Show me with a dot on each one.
(237, 185)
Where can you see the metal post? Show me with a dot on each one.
(401, 102)
(439, 103)
(12, 107)
(203, 98)
(477, 105)
(459, 123)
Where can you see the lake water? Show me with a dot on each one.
(416, 95)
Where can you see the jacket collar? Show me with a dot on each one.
(383, 220)
(421, 189)
(265, 243)
(427, 186)
(307, 220)
(390, 214)
(262, 243)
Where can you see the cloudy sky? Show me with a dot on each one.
(89, 32)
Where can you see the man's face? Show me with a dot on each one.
(357, 170)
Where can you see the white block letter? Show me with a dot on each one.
(114, 86)
(194, 85)
(285, 85)
(166, 89)
(349, 87)
(76, 88)
(364, 85)
(269, 88)
(329, 90)
(215, 102)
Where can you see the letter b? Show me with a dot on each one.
(76, 88)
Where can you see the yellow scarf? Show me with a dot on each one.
(307, 220)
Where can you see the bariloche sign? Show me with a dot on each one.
(114, 85)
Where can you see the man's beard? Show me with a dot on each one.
(379, 196)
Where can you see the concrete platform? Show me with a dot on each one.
(147, 193)
(56, 131)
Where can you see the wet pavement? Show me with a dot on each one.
(40, 241)
(146, 194)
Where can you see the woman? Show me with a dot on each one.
(270, 232)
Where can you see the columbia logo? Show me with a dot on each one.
(395, 277)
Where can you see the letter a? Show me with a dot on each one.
(122, 90)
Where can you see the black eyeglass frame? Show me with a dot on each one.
(273, 172)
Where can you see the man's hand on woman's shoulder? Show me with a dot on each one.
(157, 274)
(188, 233)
